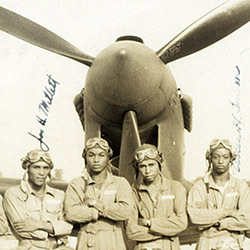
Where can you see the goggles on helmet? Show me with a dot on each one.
(37, 156)
(146, 153)
(103, 144)
(97, 141)
(216, 142)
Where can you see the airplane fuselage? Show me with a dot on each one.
(129, 76)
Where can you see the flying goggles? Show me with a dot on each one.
(103, 144)
(216, 142)
(92, 142)
(35, 156)
(146, 153)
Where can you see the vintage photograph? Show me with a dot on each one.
(125, 125)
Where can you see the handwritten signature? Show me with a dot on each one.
(236, 119)
(43, 108)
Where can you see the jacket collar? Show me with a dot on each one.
(28, 190)
(208, 179)
(87, 177)
(165, 184)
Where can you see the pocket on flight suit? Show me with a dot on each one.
(109, 195)
(33, 211)
(167, 202)
(53, 208)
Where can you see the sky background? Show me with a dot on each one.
(207, 76)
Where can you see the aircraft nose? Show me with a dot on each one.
(126, 76)
(122, 53)
(123, 70)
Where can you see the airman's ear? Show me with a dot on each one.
(84, 154)
(161, 157)
(234, 155)
(25, 163)
(110, 152)
(133, 162)
(208, 155)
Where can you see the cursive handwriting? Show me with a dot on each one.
(43, 145)
(236, 119)
(43, 108)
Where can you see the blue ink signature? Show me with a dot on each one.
(43, 108)
(236, 119)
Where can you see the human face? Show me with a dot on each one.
(221, 159)
(38, 173)
(149, 169)
(97, 160)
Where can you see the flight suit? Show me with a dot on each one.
(207, 209)
(4, 226)
(7, 240)
(99, 228)
(20, 202)
(167, 214)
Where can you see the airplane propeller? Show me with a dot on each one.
(207, 30)
(33, 33)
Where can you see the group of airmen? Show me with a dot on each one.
(112, 215)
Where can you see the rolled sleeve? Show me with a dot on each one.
(61, 227)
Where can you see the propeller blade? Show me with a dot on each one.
(34, 33)
(207, 30)
(129, 143)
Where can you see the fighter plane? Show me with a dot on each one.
(130, 96)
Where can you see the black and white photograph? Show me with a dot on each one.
(125, 125)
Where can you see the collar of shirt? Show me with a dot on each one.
(27, 189)
(165, 184)
(208, 179)
(87, 177)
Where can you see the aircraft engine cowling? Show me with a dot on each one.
(128, 76)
